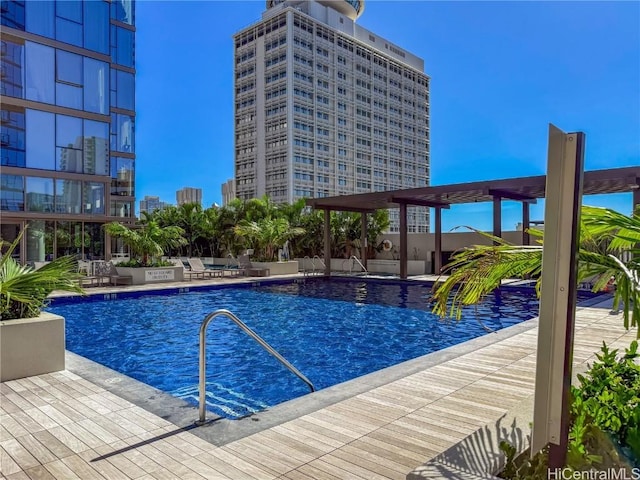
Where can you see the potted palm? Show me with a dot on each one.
(32, 342)
(148, 242)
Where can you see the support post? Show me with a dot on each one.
(403, 240)
(526, 238)
(497, 217)
(636, 199)
(437, 260)
(327, 243)
(363, 239)
(565, 166)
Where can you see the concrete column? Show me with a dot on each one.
(403, 241)
(437, 260)
(327, 243)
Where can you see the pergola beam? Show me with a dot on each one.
(418, 202)
(509, 195)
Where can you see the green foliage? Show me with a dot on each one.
(24, 291)
(136, 263)
(609, 396)
(605, 416)
(605, 235)
(522, 467)
(148, 240)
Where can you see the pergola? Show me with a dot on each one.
(523, 189)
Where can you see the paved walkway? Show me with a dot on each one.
(61, 426)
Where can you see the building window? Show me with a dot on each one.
(12, 193)
(12, 134)
(40, 139)
(39, 194)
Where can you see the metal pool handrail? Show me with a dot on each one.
(252, 334)
(353, 257)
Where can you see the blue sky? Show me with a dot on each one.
(500, 73)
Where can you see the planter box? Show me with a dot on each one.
(142, 275)
(31, 346)
(278, 268)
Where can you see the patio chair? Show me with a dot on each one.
(198, 267)
(86, 278)
(187, 272)
(244, 264)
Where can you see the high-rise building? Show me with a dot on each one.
(150, 204)
(68, 113)
(325, 107)
(189, 195)
(228, 191)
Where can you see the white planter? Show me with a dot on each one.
(31, 346)
(278, 268)
(143, 275)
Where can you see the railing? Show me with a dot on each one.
(322, 264)
(252, 334)
(306, 260)
(351, 261)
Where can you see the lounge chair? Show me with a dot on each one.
(244, 264)
(187, 273)
(198, 267)
(234, 270)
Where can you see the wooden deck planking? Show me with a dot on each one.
(61, 426)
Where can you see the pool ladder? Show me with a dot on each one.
(306, 271)
(252, 334)
(353, 260)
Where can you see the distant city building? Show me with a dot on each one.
(325, 107)
(67, 97)
(228, 191)
(189, 195)
(150, 204)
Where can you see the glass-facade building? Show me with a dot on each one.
(68, 125)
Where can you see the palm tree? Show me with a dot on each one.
(149, 240)
(24, 291)
(267, 235)
(606, 236)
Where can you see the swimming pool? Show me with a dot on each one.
(331, 330)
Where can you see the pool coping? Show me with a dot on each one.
(221, 431)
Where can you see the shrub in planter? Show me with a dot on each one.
(24, 290)
(605, 420)
(32, 342)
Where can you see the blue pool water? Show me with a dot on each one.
(331, 330)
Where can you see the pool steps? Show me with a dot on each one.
(202, 395)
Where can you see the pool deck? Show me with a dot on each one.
(62, 426)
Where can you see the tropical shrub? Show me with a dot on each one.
(605, 420)
(148, 241)
(24, 290)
